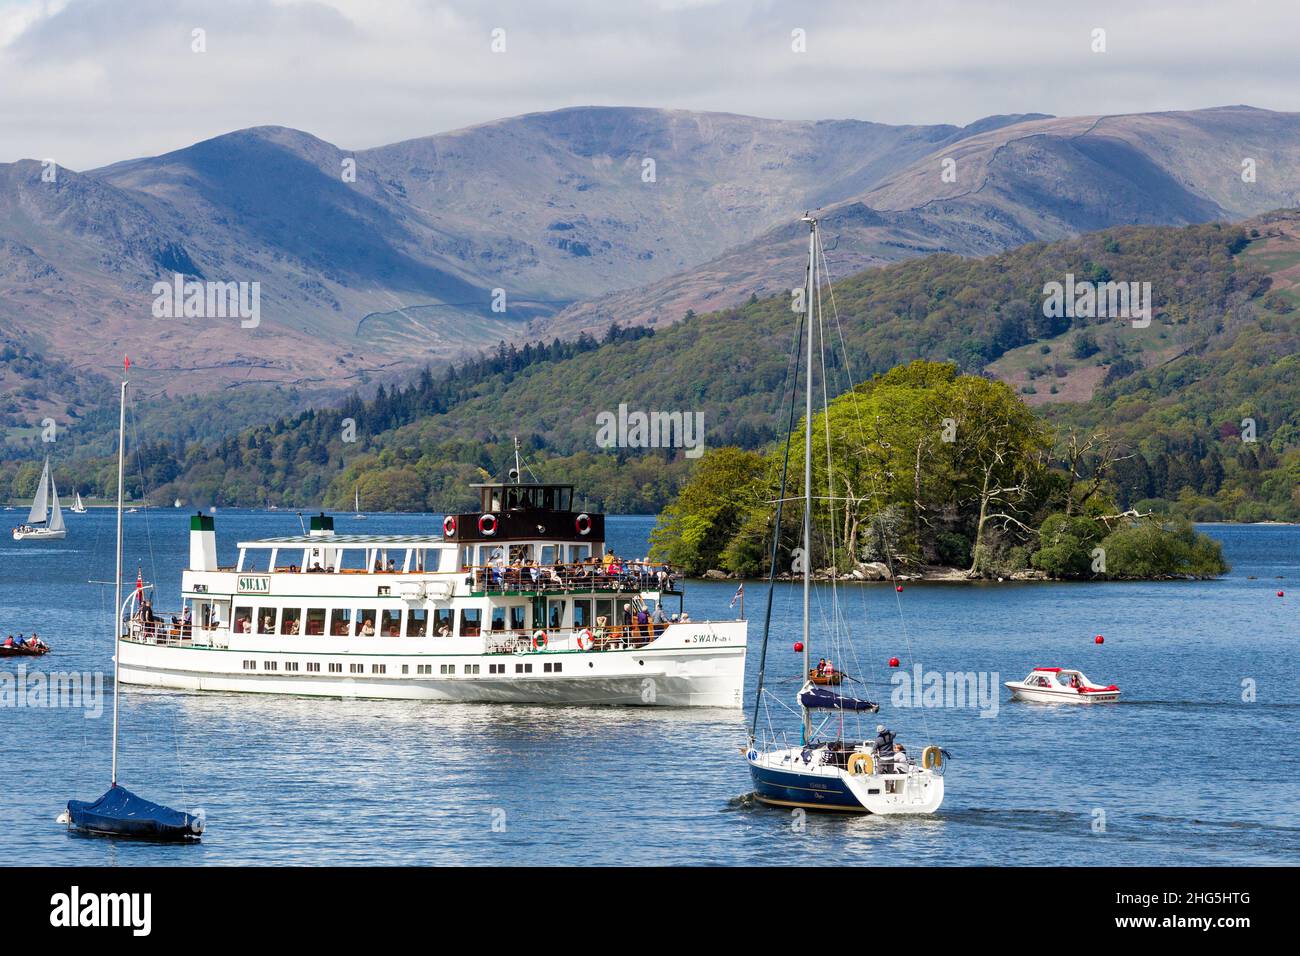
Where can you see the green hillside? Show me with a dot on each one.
(1221, 348)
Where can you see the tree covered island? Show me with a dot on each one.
(935, 474)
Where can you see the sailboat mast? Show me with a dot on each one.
(117, 578)
(807, 467)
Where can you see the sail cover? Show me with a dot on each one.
(120, 812)
(41, 503)
(828, 698)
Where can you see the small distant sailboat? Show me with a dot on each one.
(45, 520)
(77, 507)
(119, 812)
(356, 502)
(177, 503)
(848, 774)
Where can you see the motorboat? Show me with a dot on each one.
(1059, 685)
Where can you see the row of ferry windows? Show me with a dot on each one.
(313, 667)
(419, 622)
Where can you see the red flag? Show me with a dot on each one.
(138, 600)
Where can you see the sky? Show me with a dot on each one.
(91, 82)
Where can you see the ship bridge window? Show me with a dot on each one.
(390, 623)
(366, 622)
(554, 614)
(442, 623)
(315, 621)
(417, 622)
(471, 622)
(266, 620)
(498, 619)
(243, 620)
(582, 614)
(518, 617)
(340, 622)
(290, 620)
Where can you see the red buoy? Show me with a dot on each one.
(1099, 639)
(798, 647)
(1281, 594)
(898, 588)
(893, 662)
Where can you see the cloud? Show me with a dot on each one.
(90, 82)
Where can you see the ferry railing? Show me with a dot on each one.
(619, 637)
(167, 633)
(568, 578)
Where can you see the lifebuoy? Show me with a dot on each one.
(860, 763)
(449, 526)
(931, 757)
(585, 639)
(583, 523)
(487, 525)
(539, 640)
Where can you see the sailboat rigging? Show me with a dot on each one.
(859, 776)
(119, 812)
(45, 520)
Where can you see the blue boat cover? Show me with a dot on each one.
(824, 698)
(120, 812)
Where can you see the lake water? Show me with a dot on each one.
(1183, 771)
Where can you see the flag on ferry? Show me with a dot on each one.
(137, 599)
(740, 593)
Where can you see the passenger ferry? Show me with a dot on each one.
(520, 602)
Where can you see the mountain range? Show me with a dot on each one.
(376, 261)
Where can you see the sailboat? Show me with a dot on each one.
(77, 507)
(45, 520)
(119, 812)
(357, 504)
(861, 774)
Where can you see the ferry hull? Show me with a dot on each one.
(645, 678)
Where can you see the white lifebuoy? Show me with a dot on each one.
(539, 640)
(583, 523)
(449, 526)
(487, 525)
(585, 639)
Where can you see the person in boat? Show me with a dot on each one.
(820, 669)
(187, 622)
(884, 743)
(315, 568)
(367, 628)
(902, 762)
(660, 618)
(9, 641)
(643, 623)
(1074, 681)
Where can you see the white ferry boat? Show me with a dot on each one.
(520, 601)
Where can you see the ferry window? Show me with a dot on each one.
(352, 559)
(548, 554)
(266, 620)
(521, 552)
(466, 556)
(315, 620)
(313, 666)
(498, 619)
(518, 617)
(417, 623)
(366, 622)
(471, 668)
(291, 665)
(554, 614)
(379, 668)
(390, 623)
(447, 669)
(340, 621)
(442, 623)
(357, 668)
(579, 553)
(291, 620)
(605, 609)
(336, 668)
(243, 620)
(471, 622)
(581, 614)
(269, 665)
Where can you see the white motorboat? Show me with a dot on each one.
(45, 520)
(1058, 685)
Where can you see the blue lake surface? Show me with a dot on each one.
(1183, 771)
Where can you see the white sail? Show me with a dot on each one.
(56, 513)
(40, 504)
(77, 506)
